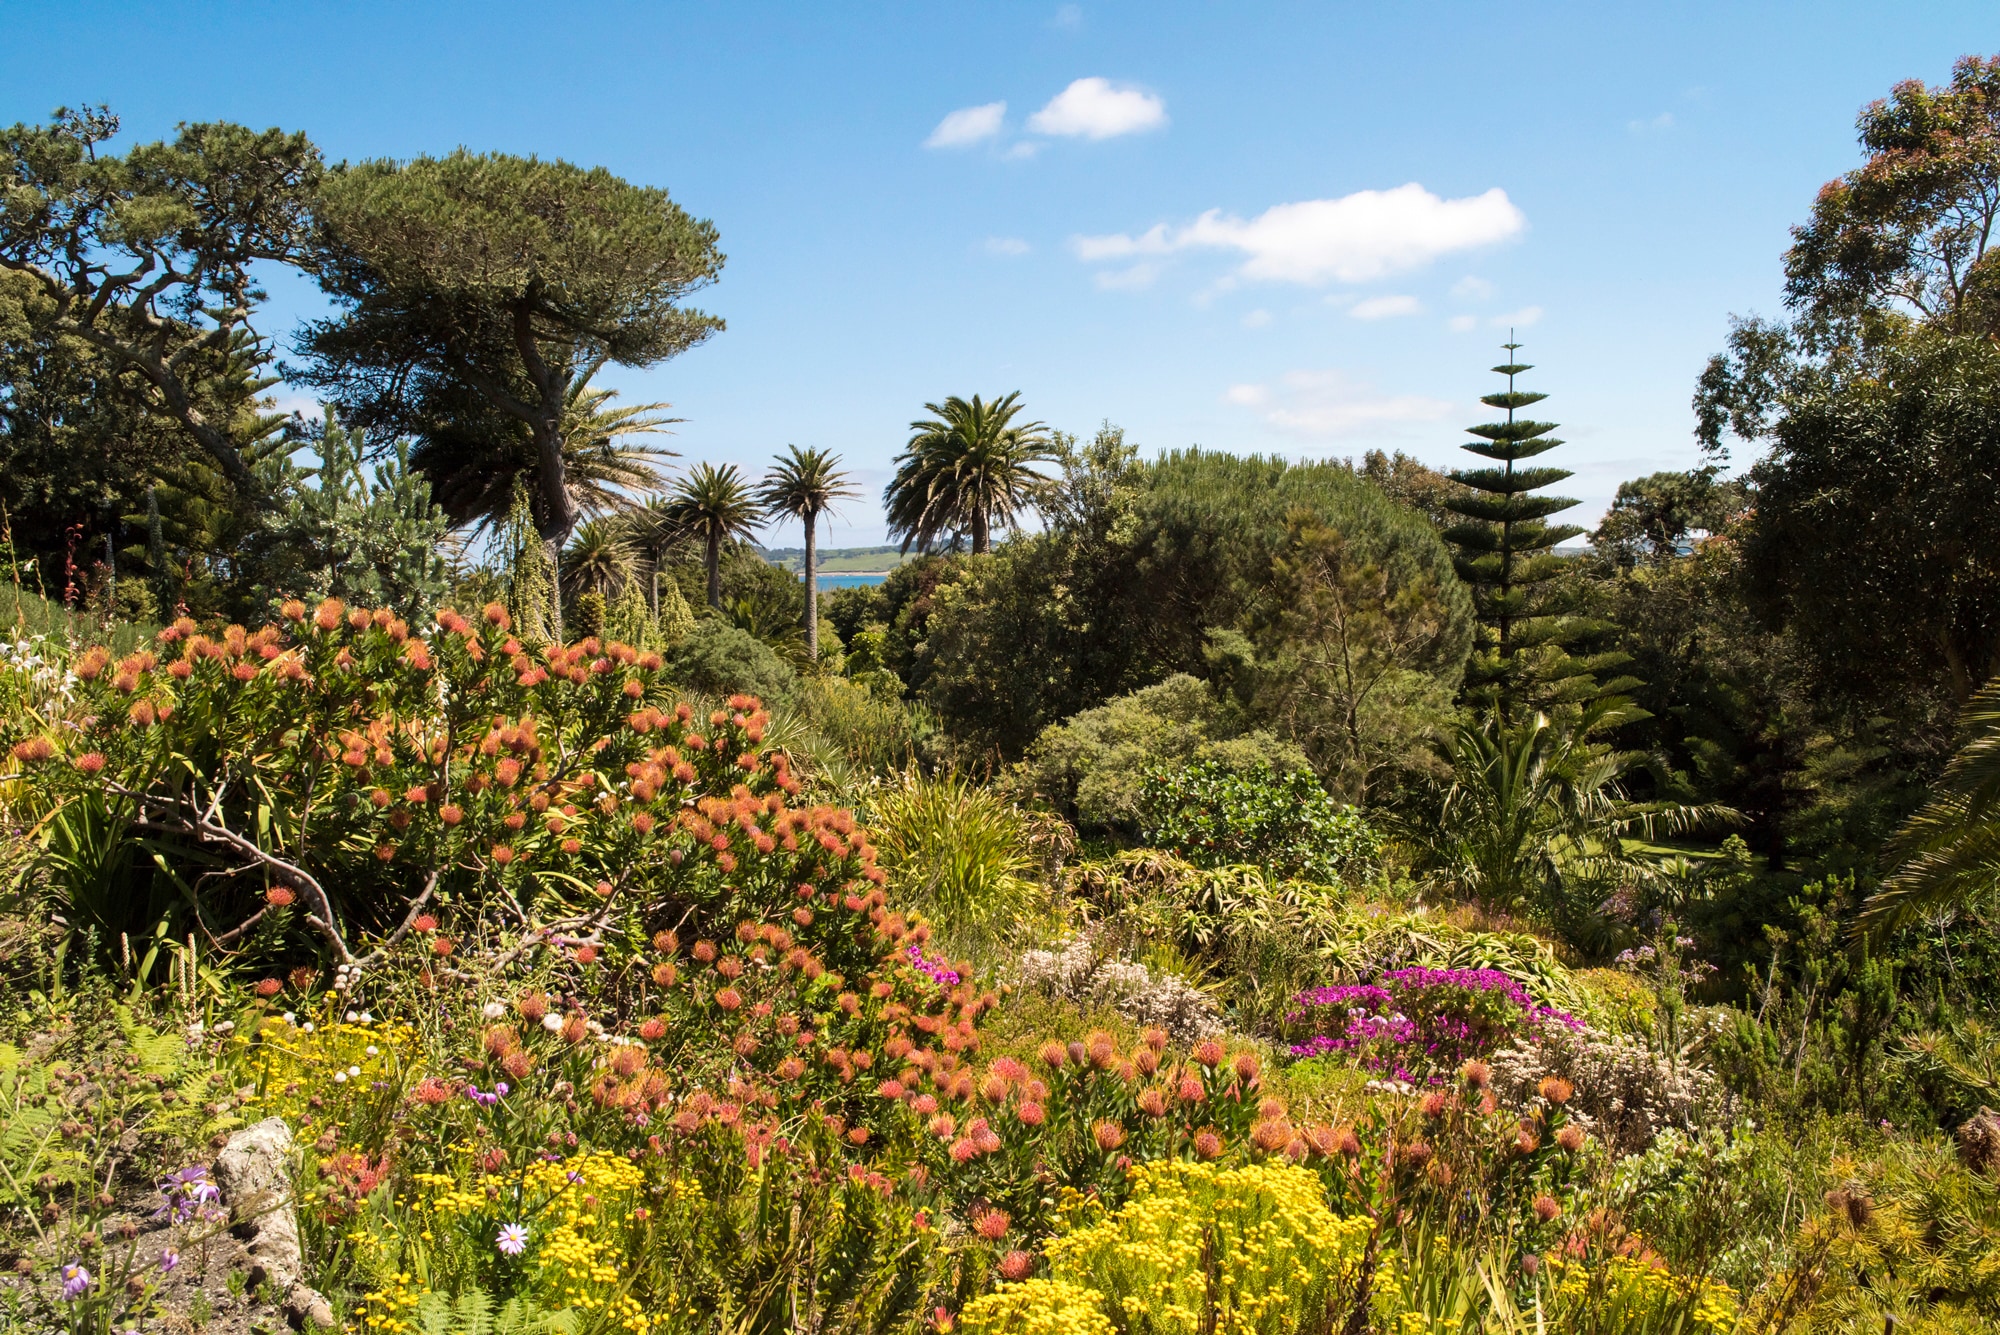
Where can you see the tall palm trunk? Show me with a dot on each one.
(982, 538)
(812, 587)
(714, 559)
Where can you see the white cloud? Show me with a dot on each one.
(1459, 324)
(1026, 148)
(1321, 404)
(1657, 125)
(1096, 108)
(1068, 18)
(1469, 288)
(1007, 246)
(1256, 319)
(968, 125)
(1352, 239)
(1384, 308)
(1520, 319)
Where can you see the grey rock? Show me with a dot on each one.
(256, 1187)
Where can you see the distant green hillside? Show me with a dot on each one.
(837, 560)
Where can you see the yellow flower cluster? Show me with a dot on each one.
(578, 1263)
(381, 1309)
(294, 1062)
(1634, 1290)
(1037, 1307)
(1263, 1230)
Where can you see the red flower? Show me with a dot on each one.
(729, 998)
(1208, 1145)
(1108, 1135)
(269, 987)
(990, 1224)
(1016, 1265)
(279, 897)
(442, 946)
(1209, 1053)
(502, 854)
(90, 762)
(425, 923)
(586, 954)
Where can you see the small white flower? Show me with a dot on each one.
(553, 1023)
(372, 1050)
(340, 1077)
(366, 1018)
(307, 1026)
(493, 1010)
(352, 1016)
(354, 1070)
(291, 1017)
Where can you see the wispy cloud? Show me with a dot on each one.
(1007, 246)
(1330, 404)
(1659, 124)
(1352, 239)
(1128, 279)
(1462, 324)
(1096, 108)
(1068, 18)
(968, 125)
(1385, 308)
(1256, 319)
(1470, 288)
(1520, 319)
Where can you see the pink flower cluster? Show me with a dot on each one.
(1418, 1017)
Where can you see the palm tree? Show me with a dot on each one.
(1947, 855)
(804, 484)
(1536, 803)
(715, 505)
(473, 468)
(966, 470)
(599, 559)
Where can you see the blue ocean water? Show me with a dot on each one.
(849, 581)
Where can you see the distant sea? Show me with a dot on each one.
(851, 581)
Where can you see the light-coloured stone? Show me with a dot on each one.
(251, 1173)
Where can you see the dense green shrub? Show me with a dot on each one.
(1214, 815)
(1091, 767)
(718, 658)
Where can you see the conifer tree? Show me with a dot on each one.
(1504, 552)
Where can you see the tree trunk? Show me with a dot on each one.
(713, 556)
(981, 535)
(812, 589)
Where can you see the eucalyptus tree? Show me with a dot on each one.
(713, 505)
(149, 259)
(503, 283)
(803, 485)
(966, 470)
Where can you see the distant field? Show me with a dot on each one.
(837, 560)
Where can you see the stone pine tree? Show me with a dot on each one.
(1504, 551)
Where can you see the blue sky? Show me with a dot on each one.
(1294, 228)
